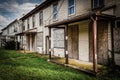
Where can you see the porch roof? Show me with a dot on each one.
(72, 19)
(21, 33)
(80, 18)
(31, 31)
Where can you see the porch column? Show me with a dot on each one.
(24, 42)
(30, 43)
(95, 44)
(16, 40)
(49, 43)
(112, 42)
(66, 45)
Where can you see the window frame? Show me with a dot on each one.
(99, 5)
(71, 7)
(41, 18)
(33, 21)
(56, 12)
(28, 25)
(23, 24)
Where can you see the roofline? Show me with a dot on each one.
(9, 24)
(38, 8)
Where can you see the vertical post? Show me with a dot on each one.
(112, 42)
(95, 45)
(66, 45)
(30, 43)
(24, 42)
(16, 42)
(49, 43)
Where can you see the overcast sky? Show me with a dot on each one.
(13, 9)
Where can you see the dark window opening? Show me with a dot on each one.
(33, 20)
(23, 25)
(118, 24)
(97, 4)
(28, 23)
(41, 18)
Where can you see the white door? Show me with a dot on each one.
(84, 41)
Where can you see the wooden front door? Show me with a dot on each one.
(73, 41)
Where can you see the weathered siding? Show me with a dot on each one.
(82, 6)
(117, 44)
(102, 41)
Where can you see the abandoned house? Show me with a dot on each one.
(86, 30)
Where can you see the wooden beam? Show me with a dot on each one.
(66, 45)
(95, 44)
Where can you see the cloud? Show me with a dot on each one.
(16, 7)
(14, 10)
(3, 21)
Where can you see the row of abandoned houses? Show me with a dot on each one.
(86, 30)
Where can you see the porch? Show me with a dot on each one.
(29, 41)
(77, 64)
(85, 39)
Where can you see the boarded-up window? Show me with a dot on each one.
(24, 40)
(39, 39)
(58, 38)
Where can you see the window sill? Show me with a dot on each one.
(55, 20)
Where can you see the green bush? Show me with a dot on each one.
(10, 45)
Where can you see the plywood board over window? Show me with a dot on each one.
(39, 39)
(58, 38)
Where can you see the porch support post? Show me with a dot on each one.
(16, 42)
(31, 46)
(112, 42)
(24, 43)
(49, 43)
(66, 45)
(95, 44)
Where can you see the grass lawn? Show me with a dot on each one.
(19, 66)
